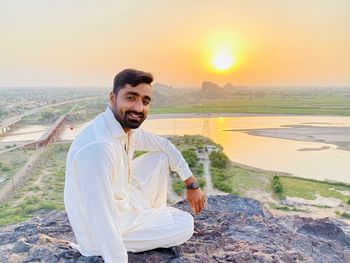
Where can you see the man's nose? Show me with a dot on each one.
(138, 106)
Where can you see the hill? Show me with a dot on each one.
(230, 229)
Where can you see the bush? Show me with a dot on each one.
(190, 157)
(198, 170)
(202, 183)
(5, 169)
(348, 201)
(221, 180)
(343, 214)
(178, 187)
(219, 160)
(277, 186)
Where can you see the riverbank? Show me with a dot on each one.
(44, 188)
(153, 116)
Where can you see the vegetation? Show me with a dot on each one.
(192, 141)
(43, 189)
(11, 162)
(277, 186)
(267, 104)
(219, 160)
(178, 186)
(309, 189)
(343, 214)
(287, 208)
(220, 171)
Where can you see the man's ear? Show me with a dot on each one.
(112, 97)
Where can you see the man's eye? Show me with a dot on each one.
(130, 97)
(145, 102)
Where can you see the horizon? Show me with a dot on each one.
(186, 88)
(246, 43)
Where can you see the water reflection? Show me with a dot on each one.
(263, 152)
(266, 152)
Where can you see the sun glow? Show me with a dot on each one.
(222, 59)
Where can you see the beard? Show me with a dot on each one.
(131, 119)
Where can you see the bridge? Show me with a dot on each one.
(51, 133)
(7, 124)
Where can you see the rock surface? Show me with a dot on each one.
(230, 229)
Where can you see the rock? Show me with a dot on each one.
(21, 246)
(327, 230)
(230, 229)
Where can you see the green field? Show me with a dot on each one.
(280, 105)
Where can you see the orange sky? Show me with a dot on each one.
(84, 43)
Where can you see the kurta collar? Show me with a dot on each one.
(113, 125)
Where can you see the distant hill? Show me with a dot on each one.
(211, 90)
(163, 88)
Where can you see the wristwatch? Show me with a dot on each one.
(192, 186)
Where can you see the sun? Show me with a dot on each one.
(222, 59)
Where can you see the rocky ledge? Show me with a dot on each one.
(230, 229)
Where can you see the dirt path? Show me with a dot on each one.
(7, 191)
(209, 188)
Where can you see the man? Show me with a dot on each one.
(116, 204)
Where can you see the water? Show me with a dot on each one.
(24, 133)
(267, 153)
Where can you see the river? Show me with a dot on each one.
(322, 162)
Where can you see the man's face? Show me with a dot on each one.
(131, 105)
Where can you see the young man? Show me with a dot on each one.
(116, 204)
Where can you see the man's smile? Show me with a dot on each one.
(134, 115)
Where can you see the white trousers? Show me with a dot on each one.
(149, 174)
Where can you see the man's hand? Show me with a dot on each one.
(195, 197)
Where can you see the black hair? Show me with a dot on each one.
(133, 77)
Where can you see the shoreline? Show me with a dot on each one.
(216, 115)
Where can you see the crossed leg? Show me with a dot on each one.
(149, 174)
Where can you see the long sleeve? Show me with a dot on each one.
(146, 141)
(94, 165)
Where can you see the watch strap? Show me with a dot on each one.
(192, 186)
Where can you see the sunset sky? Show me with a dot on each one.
(265, 43)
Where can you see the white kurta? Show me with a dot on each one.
(115, 204)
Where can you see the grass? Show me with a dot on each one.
(189, 145)
(314, 105)
(43, 190)
(287, 208)
(11, 162)
(307, 189)
(249, 179)
(343, 214)
(243, 180)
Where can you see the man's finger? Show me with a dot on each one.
(203, 200)
(197, 208)
(193, 207)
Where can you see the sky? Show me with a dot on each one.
(85, 42)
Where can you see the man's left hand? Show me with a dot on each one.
(196, 199)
